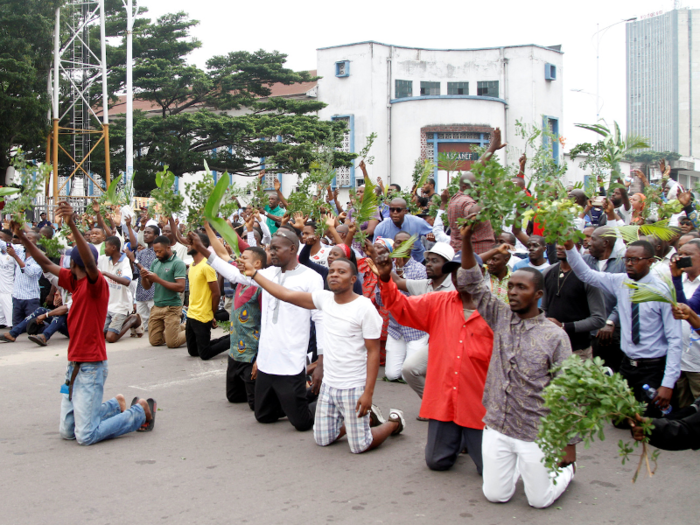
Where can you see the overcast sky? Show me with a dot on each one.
(299, 28)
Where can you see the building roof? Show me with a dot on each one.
(556, 49)
(277, 90)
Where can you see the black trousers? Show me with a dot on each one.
(644, 374)
(446, 439)
(239, 386)
(609, 351)
(199, 343)
(279, 396)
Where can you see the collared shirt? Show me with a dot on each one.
(439, 228)
(460, 207)
(660, 334)
(245, 319)
(423, 286)
(411, 270)
(499, 287)
(685, 288)
(27, 278)
(662, 267)
(458, 355)
(524, 352)
(611, 265)
(411, 224)
(170, 271)
(145, 258)
(277, 212)
(284, 327)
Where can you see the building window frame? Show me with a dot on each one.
(351, 139)
(456, 86)
(488, 85)
(403, 90)
(428, 88)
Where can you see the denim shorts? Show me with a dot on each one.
(114, 322)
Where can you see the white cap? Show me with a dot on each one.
(442, 249)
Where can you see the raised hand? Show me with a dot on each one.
(445, 196)
(250, 222)
(65, 210)
(285, 219)
(276, 184)
(299, 221)
(341, 218)
(95, 206)
(195, 242)
(522, 161)
(467, 229)
(330, 220)
(685, 198)
(248, 267)
(381, 265)
(496, 143)
(261, 175)
(681, 311)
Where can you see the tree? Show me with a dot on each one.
(25, 59)
(193, 125)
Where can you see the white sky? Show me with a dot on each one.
(299, 28)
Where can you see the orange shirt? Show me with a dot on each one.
(458, 357)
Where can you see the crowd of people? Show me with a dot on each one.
(472, 321)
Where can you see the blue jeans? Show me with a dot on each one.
(86, 418)
(56, 324)
(22, 308)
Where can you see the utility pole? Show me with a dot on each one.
(128, 4)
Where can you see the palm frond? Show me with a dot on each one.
(404, 250)
(369, 204)
(211, 212)
(428, 169)
(111, 192)
(4, 192)
(597, 128)
(632, 233)
(645, 293)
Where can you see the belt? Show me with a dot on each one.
(645, 361)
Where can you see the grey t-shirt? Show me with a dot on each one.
(423, 286)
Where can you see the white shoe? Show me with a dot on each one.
(375, 416)
(397, 416)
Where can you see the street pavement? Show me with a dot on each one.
(209, 461)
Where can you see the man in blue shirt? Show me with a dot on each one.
(650, 336)
(400, 220)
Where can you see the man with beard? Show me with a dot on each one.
(621, 201)
(563, 304)
(168, 277)
(144, 259)
(204, 301)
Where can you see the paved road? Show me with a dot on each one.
(208, 461)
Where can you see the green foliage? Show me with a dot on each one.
(645, 293)
(496, 194)
(364, 152)
(31, 180)
(4, 192)
(198, 194)
(114, 197)
(651, 156)
(633, 233)
(211, 213)
(404, 250)
(170, 202)
(558, 219)
(613, 148)
(450, 163)
(366, 211)
(53, 246)
(593, 158)
(26, 44)
(422, 171)
(581, 400)
(546, 172)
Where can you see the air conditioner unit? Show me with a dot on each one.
(550, 72)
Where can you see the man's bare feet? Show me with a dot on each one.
(122, 402)
(146, 409)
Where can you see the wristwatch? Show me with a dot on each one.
(609, 323)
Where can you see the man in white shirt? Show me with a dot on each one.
(351, 361)
(7, 280)
(280, 386)
(116, 269)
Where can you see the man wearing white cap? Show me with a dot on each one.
(416, 363)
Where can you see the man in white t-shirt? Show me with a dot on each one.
(116, 269)
(351, 332)
(7, 279)
(536, 248)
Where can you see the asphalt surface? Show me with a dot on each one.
(209, 461)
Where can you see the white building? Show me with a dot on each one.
(421, 102)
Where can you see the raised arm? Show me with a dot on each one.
(214, 242)
(66, 211)
(100, 220)
(133, 239)
(301, 299)
(176, 231)
(41, 259)
(278, 188)
(609, 282)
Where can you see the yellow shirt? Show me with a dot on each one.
(200, 276)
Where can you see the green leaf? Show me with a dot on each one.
(211, 212)
(4, 192)
(405, 249)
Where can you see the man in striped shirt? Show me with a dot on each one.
(25, 296)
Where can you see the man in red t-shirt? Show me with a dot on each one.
(84, 416)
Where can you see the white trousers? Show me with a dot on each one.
(6, 309)
(143, 308)
(414, 370)
(506, 459)
(396, 352)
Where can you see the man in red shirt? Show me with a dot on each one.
(84, 416)
(458, 359)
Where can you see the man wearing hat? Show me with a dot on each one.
(84, 417)
(43, 223)
(438, 266)
(458, 359)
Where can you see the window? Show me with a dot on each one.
(344, 175)
(487, 89)
(342, 68)
(458, 88)
(404, 89)
(430, 88)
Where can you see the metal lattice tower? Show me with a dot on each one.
(81, 62)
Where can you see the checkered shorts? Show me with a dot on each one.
(336, 407)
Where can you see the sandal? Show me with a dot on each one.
(148, 426)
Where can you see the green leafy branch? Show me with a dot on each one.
(364, 152)
(169, 201)
(581, 399)
(31, 180)
(211, 213)
(53, 246)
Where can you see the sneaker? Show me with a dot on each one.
(397, 416)
(375, 416)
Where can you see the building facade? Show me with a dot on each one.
(663, 81)
(423, 102)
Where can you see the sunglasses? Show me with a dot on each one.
(396, 210)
